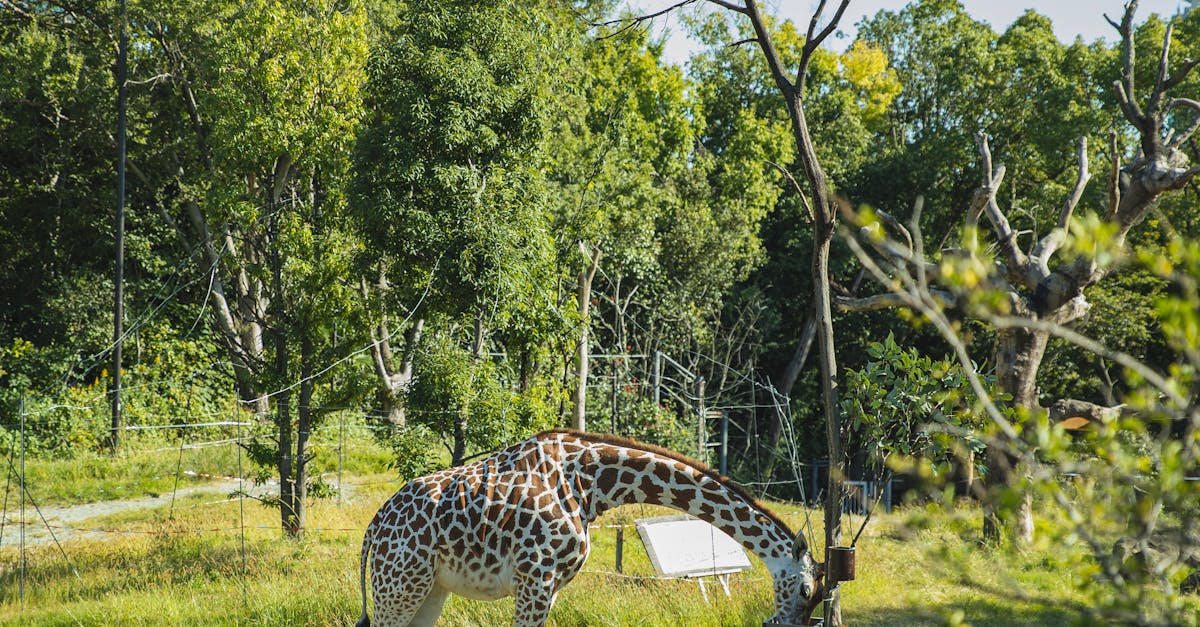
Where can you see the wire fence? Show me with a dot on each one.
(718, 409)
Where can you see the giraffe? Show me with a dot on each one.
(516, 523)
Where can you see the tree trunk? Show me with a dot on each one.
(1018, 355)
(583, 297)
(283, 421)
(459, 453)
(394, 385)
(829, 382)
(239, 329)
(304, 424)
(283, 399)
(527, 368)
(824, 219)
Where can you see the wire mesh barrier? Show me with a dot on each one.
(732, 419)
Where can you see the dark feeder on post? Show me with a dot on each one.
(841, 564)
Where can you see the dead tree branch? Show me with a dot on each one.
(1058, 235)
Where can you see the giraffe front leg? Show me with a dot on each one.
(534, 597)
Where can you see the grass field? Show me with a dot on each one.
(915, 566)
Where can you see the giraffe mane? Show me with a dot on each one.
(699, 466)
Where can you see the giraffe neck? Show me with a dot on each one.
(621, 476)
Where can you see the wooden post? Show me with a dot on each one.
(22, 479)
(119, 278)
(620, 549)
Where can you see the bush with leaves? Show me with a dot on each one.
(906, 405)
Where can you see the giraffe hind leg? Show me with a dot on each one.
(431, 608)
(401, 596)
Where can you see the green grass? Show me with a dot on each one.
(916, 566)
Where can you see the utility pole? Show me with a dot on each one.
(119, 280)
(22, 479)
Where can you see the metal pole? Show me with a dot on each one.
(613, 428)
(701, 429)
(725, 444)
(22, 501)
(341, 446)
(119, 279)
(657, 379)
(616, 362)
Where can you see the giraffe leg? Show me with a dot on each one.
(534, 598)
(400, 596)
(428, 614)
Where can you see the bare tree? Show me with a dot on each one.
(791, 85)
(1037, 288)
(1153, 510)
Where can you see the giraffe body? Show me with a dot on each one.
(516, 524)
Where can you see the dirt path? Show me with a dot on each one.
(65, 522)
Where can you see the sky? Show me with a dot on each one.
(1071, 18)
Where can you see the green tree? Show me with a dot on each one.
(249, 110)
(57, 121)
(620, 152)
(748, 135)
(56, 188)
(448, 189)
(791, 82)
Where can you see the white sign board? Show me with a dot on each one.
(681, 546)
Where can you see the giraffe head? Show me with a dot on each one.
(797, 585)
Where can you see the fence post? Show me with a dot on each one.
(341, 446)
(657, 379)
(613, 427)
(620, 548)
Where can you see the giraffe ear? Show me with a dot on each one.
(799, 547)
